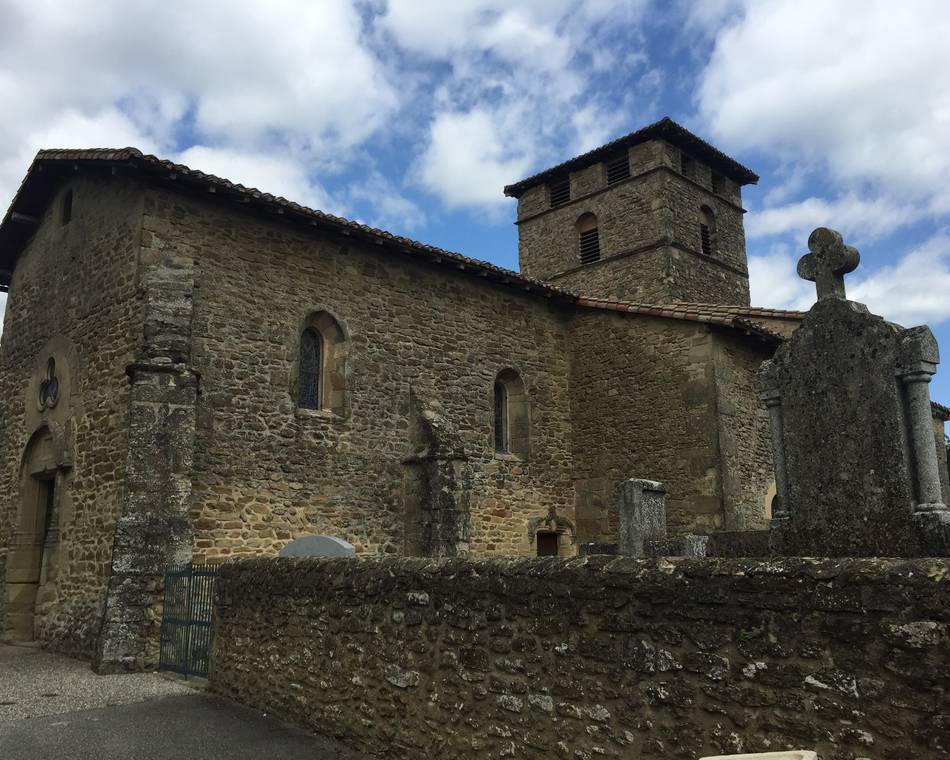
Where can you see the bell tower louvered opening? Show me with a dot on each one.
(588, 239)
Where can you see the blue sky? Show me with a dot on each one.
(413, 114)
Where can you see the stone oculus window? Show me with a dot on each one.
(707, 230)
(588, 237)
(49, 387)
(510, 426)
(319, 372)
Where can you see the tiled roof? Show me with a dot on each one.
(664, 129)
(737, 317)
(751, 312)
(37, 188)
(258, 201)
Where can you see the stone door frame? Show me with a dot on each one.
(34, 548)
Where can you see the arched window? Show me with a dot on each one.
(588, 238)
(311, 363)
(510, 428)
(67, 210)
(319, 379)
(707, 230)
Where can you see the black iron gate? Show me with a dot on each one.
(186, 619)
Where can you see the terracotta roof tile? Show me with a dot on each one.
(736, 317)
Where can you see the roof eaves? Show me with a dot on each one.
(666, 129)
(167, 171)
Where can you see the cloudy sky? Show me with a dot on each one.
(412, 115)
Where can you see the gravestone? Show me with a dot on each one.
(318, 546)
(642, 508)
(853, 439)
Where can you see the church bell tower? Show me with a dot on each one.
(653, 217)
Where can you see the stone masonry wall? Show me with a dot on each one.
(594, 657)
(644, 399)
(416, 337)
(745, 439)
(73, 296)
(658, 275)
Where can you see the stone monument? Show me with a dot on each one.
(642, 508)
(852, 428)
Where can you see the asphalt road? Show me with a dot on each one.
(54, 708)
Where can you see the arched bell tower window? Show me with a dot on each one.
(588, 238)
(511, 425)
(707, 230)
(320, 367)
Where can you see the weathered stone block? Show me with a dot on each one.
(642, 508)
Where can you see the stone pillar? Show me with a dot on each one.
(642, 508)
(920, 421)
(773, 401)
(154, 529)
(437, 487)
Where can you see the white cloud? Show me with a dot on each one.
(909, 292)
(391, 210)
(774, 282)
(859, 219)
(859, 88)
(273, 173)
(467, 161)
(277, 78)
(524, 34)
(913, 291)
(520, 86)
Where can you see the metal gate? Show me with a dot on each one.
(186, 619)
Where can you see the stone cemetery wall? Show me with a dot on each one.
(594, 657)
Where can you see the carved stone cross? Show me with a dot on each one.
(827, 264)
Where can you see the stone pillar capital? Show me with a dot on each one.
(922, 372)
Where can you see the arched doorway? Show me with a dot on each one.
(31, 561)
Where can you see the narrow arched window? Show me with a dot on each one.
(318, 376)
(511, 426)
(67, 210)
(588, 238)
(707, 230)
(501, 417)
(311, 366)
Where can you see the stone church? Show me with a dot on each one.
(192, 370)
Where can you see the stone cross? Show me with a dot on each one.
(827, 264)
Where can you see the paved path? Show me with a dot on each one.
(52, 707)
